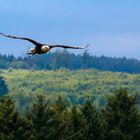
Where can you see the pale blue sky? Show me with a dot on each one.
(111, 27)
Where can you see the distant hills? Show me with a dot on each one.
(69, 75)
(64, 59)
(74, 85)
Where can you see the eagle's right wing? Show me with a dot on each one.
(15, 37)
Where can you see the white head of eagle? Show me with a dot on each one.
(45, 48)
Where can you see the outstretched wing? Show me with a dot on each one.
(15, 37)
(67, 47)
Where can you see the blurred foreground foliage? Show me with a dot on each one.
(46, 120)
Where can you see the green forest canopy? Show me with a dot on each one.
(64, 59)
(118, 120)
(69, 88)
(70, 75)
(23, 85)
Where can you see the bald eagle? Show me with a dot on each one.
(39, 47)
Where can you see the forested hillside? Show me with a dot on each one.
(44, 95)
(24, 85)
(64, 59)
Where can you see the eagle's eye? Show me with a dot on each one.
(32, 50)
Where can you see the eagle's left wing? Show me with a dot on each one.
(67, 47)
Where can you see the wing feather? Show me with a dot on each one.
(67, 47)
(15, 37)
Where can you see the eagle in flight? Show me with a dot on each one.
(39, 47)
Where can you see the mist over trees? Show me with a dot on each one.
(64, 59)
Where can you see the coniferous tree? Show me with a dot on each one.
(121, 116)
(37, 117)
(3, 87)
(93, 128)
(9, 119)
(75, 124)
(57, 122)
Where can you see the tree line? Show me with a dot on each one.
(64, 59)
(44, 120)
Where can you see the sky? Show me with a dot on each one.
(111, 27)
